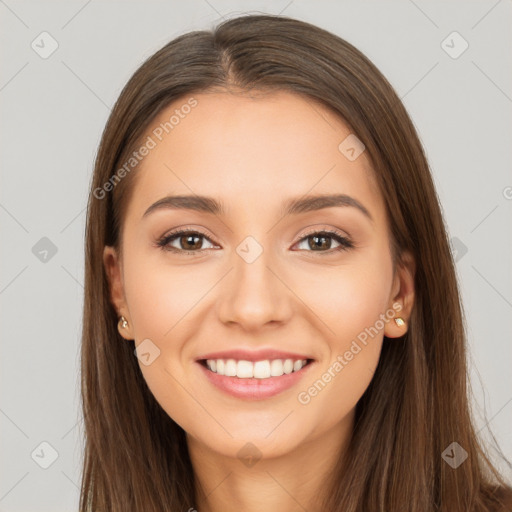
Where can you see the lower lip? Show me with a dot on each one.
(255, 389)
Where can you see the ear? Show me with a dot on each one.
(401, 299)
(113, 269)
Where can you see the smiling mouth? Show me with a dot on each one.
(264, 369)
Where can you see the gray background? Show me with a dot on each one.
(53, 111)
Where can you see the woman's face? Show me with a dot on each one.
(258, 277)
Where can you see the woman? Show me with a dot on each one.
(272, 319)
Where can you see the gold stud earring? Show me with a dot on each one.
(399, 321)
(123, 323)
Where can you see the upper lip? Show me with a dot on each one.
(253, 355)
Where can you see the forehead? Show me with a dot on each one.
(251, 150)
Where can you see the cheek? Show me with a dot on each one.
(161, 302)
(164, 301)
(160, 297)
(349, 303)
(347, 299)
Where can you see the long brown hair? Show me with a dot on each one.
(417, 405)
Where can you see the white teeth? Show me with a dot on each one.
(262, 369)
(258, 369)
(244, 369)
(288, 366)
(276, 368)
(230, 368)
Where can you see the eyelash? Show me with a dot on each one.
(163, 243)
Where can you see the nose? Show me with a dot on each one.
(254, 294)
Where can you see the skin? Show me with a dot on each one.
(252, 153)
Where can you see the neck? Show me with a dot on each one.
(286, 483)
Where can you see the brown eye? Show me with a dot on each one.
(321, 241)
(184, 241)
(188, 242)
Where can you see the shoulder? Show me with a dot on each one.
(504, 497)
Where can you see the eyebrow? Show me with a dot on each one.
(291, 207)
